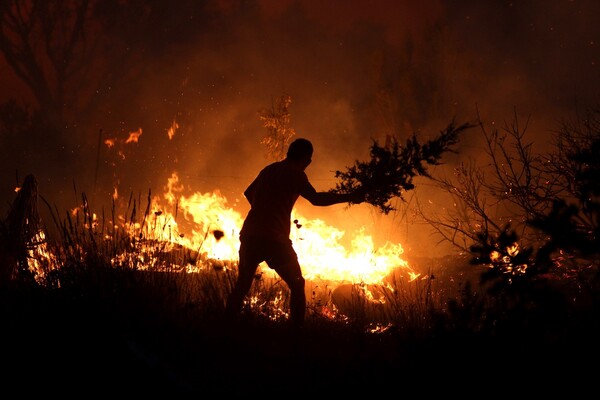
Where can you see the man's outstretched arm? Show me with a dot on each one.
(328, 198)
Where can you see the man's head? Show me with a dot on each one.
(300, 151)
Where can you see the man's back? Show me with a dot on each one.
(272, 196)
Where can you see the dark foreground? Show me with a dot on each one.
(61, 342)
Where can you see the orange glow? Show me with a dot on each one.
(513, 250)
(495, 256)
(318, 245)
(134, 136)
(39, 258)
(203, 233)
(505, 261)
(172, 129)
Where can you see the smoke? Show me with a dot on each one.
(356, 71)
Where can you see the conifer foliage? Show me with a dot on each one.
(390, 171)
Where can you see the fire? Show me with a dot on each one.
(40, 259)
(134, 136)
(319, 247)
(204, 232)
(322, 256)
(172, 129)
(504, 262)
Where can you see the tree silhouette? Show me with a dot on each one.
(49, 46)
(550, 225)
(277, 121)
(74, 53)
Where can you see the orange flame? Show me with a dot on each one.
(319, 247)
(505, 261)
(205, 231)
(134, 136)
(172, 129)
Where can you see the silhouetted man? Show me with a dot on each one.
(265, 234)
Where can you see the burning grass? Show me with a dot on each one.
(120, 304)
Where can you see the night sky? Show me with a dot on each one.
(356, 71)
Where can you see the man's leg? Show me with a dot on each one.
(297, 301)
(285, 263)
(246, 271)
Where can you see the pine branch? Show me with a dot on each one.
(390, 171)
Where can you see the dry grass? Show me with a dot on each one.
(112, 324)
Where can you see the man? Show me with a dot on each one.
(265, 234)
